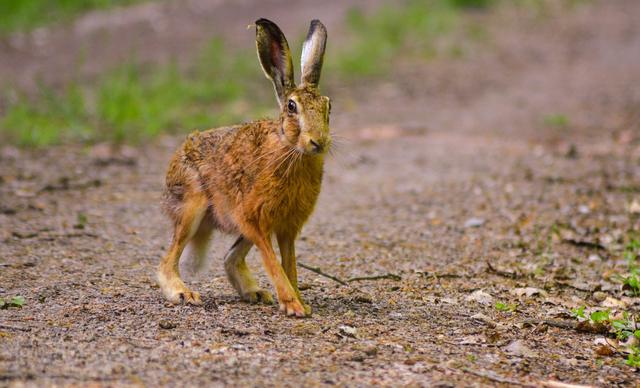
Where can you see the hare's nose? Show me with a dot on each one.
(315, 145)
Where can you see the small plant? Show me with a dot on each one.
(631, 281)
(81, 221)
(578, 313)
(599, 316)
(625, 327)
(16, 301)
(633, 360)
(596, 317)
(632, 251)
(556, 121)
(504, 307)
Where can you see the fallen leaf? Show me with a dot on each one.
(605, 350)
(614, 303)
(518, 348)
(484, 319)
(481, 297)
(528, 291)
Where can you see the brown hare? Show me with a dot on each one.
(253, 180)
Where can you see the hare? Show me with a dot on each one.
(253, 180)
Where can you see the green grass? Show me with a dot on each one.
(22, 15)
(558, 121)
(133, 103)
(400, 31)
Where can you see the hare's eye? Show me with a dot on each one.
(291, 106)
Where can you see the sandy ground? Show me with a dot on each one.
(447, 182)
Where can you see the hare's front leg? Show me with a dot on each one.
(289, 302)
(286, 242)
(240, 276)
(188, 221)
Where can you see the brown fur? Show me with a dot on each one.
(255, 180)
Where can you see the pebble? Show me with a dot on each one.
(167, 325)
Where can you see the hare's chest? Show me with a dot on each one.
(294, 202)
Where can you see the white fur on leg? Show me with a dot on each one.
(194, 259)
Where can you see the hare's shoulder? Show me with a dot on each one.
(244, 138)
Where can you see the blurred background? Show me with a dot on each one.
(129, 70)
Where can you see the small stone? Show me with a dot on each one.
(349, 331)
(304, 286)
(599, 296)
(363, 298)
(474, 222)
(371, 351)
(594, 258)
(167, 325)
(584, 209)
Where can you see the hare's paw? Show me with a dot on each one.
(294, 308)
(176, 292)
(183, 295)
(190, 297)
(257, 296)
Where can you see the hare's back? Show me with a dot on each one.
(184, 172)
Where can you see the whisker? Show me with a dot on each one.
(296, 157)
(288, 155)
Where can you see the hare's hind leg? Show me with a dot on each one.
(194, 207)
(195, 256)
(240, 276)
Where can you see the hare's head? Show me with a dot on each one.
(304, 112)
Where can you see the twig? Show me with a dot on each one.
(134, 344)
(377, 277)
(31, 375)
(584, 326)
(569, 285)
(510, 275)
(355, 279)
(326, 275)
(65, 184)
(496, 378)
(584, 244)
(558, 384)
(7, 327)
(553, 322)
(442, 275)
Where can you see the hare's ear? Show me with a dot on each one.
(313, 53)
(275, 57)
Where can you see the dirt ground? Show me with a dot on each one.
(448, 181)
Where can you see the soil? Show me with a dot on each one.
(450, 183)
